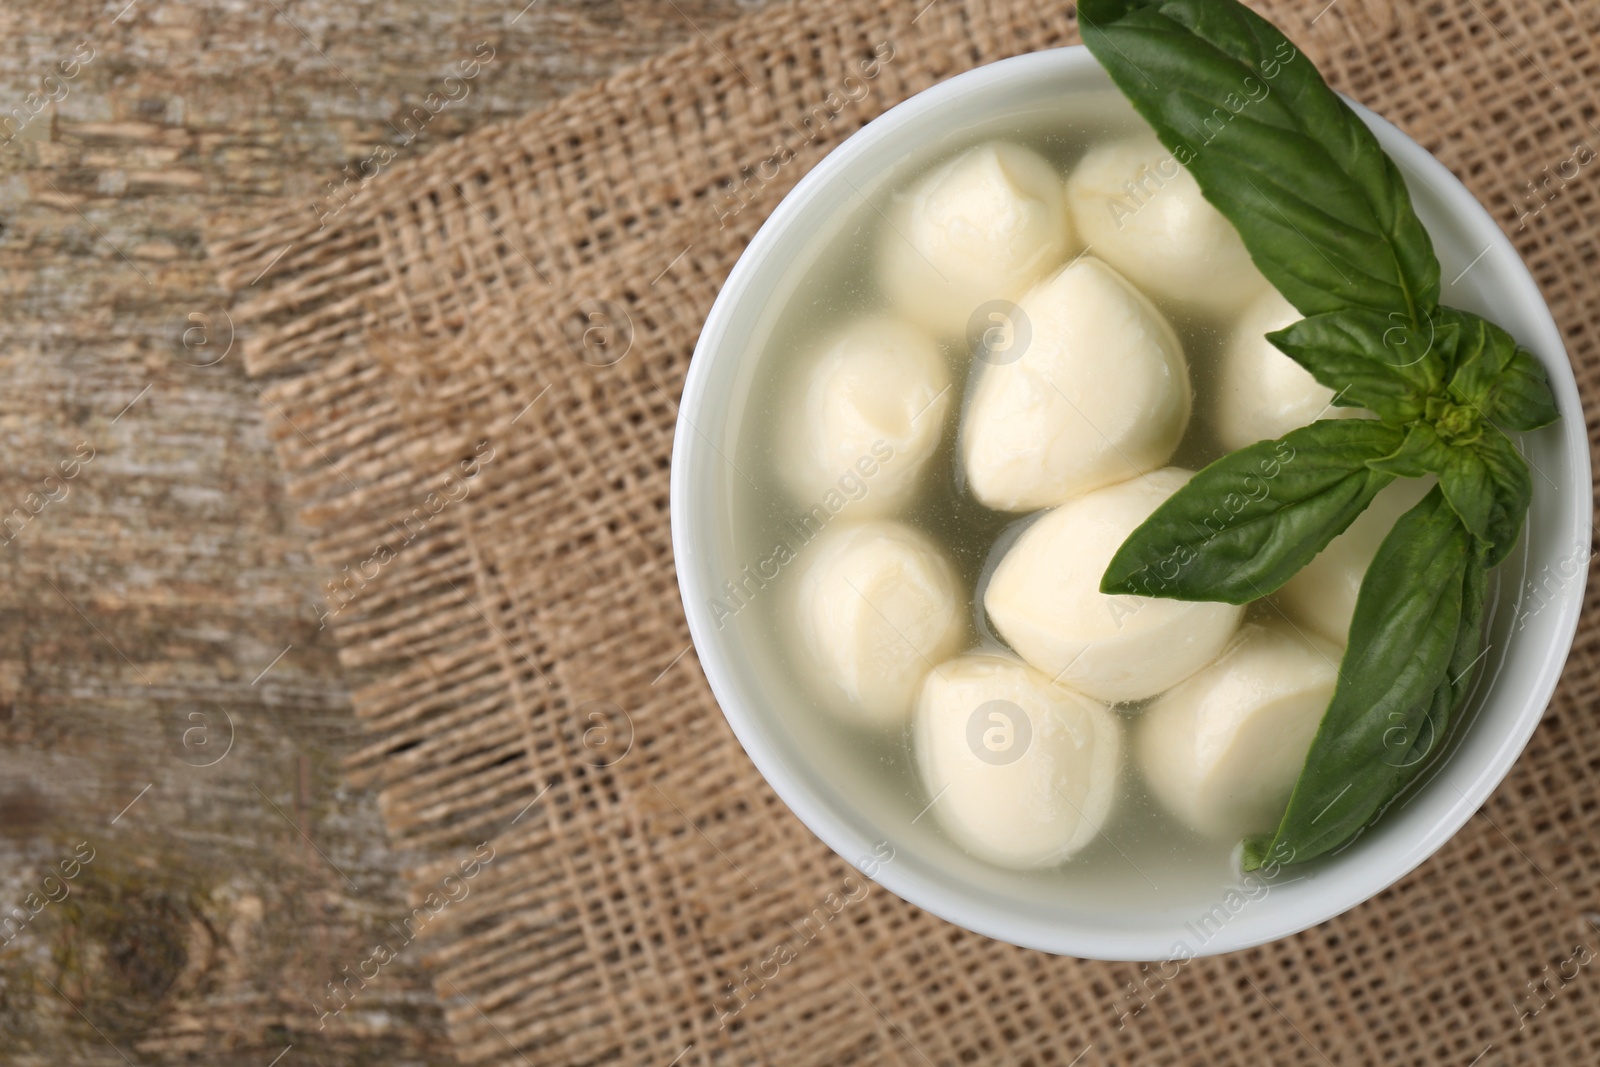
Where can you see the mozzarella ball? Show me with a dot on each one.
(1025, 772)
(1142, 212)
(878, 605)
(1045, 600)
(982, 227)
(1262, 394)
(1098, 394)
(1222, 749)
(870, 413)
(1322, 594)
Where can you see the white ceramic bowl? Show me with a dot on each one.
(844, 799)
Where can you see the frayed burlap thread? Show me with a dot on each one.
(527, 300)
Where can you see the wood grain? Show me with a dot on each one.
(168, 704)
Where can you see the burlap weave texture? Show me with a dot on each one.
(468, 308)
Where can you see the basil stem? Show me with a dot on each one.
(1241, 527)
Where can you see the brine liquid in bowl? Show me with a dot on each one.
(904, 455)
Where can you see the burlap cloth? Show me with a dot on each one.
(642, 867)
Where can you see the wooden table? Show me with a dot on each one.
(168, 704)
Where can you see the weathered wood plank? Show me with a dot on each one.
(159, 600)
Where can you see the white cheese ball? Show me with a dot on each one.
(1025, 772)
(982, 227)
(878, 604)
(1142, 212)
(1262, 394)
(869, 412)
(1045, 600)
(1099, 393)
(1222, 749)
(1322, 594)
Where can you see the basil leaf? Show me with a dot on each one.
(1241, 527)
(1403, 641)
(1489, 486)
(1327, 218)
(1497, 376)
(1422, 452)
(1371, 359)
(1523, 400)
(1450, 694)
(1321, 207)
(1485, 481)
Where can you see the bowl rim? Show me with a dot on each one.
(1342, 893)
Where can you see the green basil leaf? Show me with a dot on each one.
(1371, 359)
(1422, 452)
(1489, 486)
(1403, 640)
(1485, 481)
(1523, 399)
(1497, 376)
(1241, 527)
(1321, 207)
(1451, 692)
